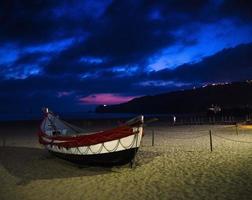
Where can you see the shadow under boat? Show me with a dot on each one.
(29, 164)
(34, 164)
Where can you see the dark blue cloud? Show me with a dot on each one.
(232, 64)
(239, 9)
(33, 22)
(57, 52)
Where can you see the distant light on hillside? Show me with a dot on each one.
(215, 84)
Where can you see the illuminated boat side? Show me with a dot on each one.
(115, 146)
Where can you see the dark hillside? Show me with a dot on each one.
(233, 96)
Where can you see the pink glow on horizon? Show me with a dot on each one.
(105, 98)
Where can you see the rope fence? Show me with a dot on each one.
(173, 136)
(231, 139)
(211, 133)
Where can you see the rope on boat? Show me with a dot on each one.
(73, 127)
(76, 129)
(85, 152)
(115, 148)
(119, 141)
(89, 148)
(132, 143)
(52, 124)
(93, 152)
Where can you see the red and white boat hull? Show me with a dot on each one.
(132, 141)
(112, 147)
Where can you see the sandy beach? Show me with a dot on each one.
(180, 165)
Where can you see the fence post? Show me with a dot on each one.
(236, 128)
(4, 141)
(152, 137)
(211, 142)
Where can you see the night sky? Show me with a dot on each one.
(73, 55)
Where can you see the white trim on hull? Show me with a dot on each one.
(129, 142)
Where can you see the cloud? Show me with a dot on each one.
(125, 35)
(25, 22)
(58, 52)
(240, 9)
(36, 22)
(231, 64)
(70, 93)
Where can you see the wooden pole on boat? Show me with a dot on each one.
(153, 137)
(211, 142)
(133, 161)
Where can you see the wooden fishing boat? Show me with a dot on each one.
(115, 146)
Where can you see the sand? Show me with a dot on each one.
(179, 166)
